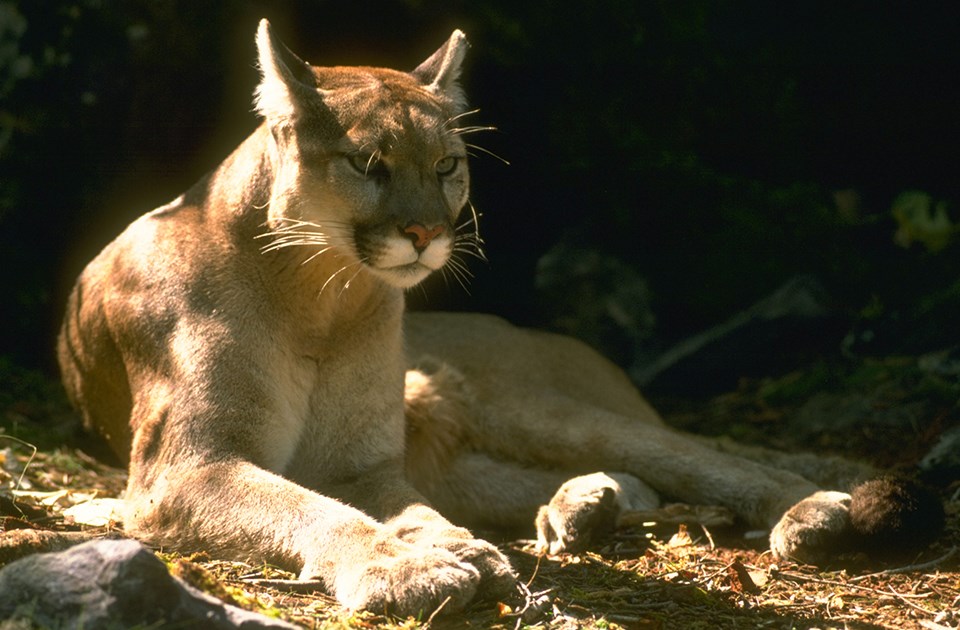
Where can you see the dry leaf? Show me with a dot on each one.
(96, 512)
(740, 579)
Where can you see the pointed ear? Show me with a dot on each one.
(287, 82)
(440, 73)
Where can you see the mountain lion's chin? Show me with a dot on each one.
(403, 276)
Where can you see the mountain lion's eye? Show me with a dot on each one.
(367, 164)
(446, 166)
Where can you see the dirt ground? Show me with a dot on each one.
(647, 576)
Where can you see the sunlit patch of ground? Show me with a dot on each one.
(642, 577)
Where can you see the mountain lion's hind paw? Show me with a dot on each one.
(814, 529)
(583, 509)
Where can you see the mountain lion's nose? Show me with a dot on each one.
(420, 235)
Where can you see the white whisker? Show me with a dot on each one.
(337, 273)
(470, 237)
(347, 283)
(462, 131)
(443, 274)
(473, 220)
(293, 232)
(488, 152)
(478, 254)
(461, 115)
(315, 254)
(458, 271)
(459, 265)
(470, 242)
(299, 233)
(280, 244)
(423, 291)
(295, 238)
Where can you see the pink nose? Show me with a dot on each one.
(421, 235)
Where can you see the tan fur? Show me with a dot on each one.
(243, 349)
(437, 403)
(544, 414)
(242, 346)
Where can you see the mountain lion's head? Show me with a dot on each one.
(368, 162)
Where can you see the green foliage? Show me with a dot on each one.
(921, 220)
(699, 142)
(33, 407)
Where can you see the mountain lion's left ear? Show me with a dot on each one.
(440, 73)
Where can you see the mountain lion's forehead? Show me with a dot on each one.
(385, 109)
(365, 82)
(402, 128)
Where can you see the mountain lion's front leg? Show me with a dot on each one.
(184, 495)
(245, 512)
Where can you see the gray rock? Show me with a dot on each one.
(111, 584)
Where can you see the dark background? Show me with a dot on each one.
(699, 143)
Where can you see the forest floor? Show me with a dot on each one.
(643, 577)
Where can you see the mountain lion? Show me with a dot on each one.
(243, 348)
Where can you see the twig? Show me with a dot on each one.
(29, 460)
(706, 531)
(287, 586)
(722, 570)
(536, 569)
(529, 600)
(436, 612)
(909, 568)
(804, 578)
(911, 604)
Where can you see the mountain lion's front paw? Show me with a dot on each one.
(583, 509)
(407, 580)
(497, 577)
(420, 525)
(813, 529)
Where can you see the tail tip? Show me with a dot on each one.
(895, 514)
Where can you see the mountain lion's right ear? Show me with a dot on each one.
(287, 82)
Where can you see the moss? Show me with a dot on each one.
(205, 580)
